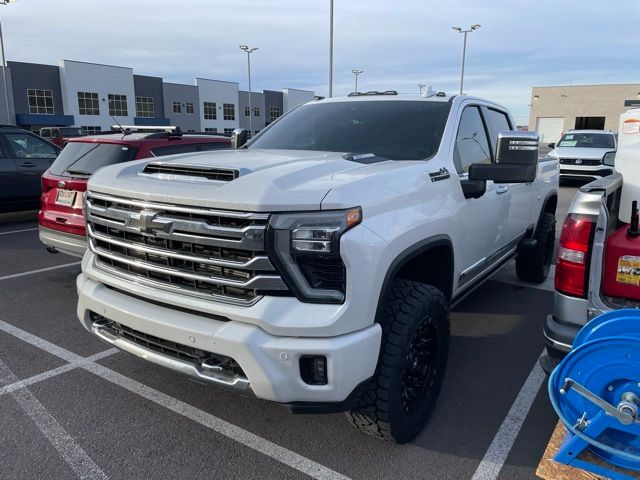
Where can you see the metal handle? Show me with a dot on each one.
(623, 417)
(502, 189)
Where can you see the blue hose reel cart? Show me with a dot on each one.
(596, 393)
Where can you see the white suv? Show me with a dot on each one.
(316, 265)
(581, 154)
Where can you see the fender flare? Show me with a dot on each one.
(550, 195)
(405, 256)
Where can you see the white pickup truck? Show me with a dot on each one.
(316, 265)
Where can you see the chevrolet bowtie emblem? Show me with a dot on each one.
(146, 221)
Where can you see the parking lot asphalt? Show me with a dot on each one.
(114, 416)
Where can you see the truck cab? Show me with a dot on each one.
(60, 136)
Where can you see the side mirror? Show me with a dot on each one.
(609, 159)
(239, 137)
(516, 159)
(552, 145)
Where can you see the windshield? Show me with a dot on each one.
(394, 129)
(72, 132)
(587, 140)
(80, 158)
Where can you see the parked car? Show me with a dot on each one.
(316, 265)
(61, 135)
(62, 226)
(24, 157)
(581, 153)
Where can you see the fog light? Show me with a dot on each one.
(313, 369)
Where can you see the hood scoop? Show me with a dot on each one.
(190, 173)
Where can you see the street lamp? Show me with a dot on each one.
(330, 48)
(249, 51)
(421, 86)
(356, 73)
(464, 48)
(4, 66)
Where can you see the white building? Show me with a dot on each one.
(93, 93)
(292, 97)
(219, 109)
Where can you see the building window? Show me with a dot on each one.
(228, 111)
(88, 103)
(189, 107)
(177, 107)
(91, 129)
(211, 130)
(228, 131)
(144, 107)
(256, 111)
(247, 112)
(209, 111)
(40, 101)
(118, 105)
(274, 113)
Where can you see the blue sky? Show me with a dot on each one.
(397, 43)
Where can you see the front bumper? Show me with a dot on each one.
(575, 171)
(68, 243)
(270, 363)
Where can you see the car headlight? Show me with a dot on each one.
(305, 247)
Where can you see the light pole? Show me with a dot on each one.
(421, 86)
(4, 67)
(464, 49)
(330, 48)
(249, 51)
(356, 73)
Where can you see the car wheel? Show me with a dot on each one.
(533, 265)
(411, 365)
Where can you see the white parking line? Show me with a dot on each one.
(19, 231)
(68, 449)
(40, 270)
(55, 372)
(240, 435)
(502, 443)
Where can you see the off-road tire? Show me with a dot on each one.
(533, 266)
(412, 311)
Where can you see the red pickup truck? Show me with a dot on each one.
(60, 136)
(61, 218)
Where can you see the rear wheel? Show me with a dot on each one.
(411, 365)
(532, 265)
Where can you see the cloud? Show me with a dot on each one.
(398, 44)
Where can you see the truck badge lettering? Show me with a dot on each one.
(441, 174)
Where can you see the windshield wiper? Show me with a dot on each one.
(77, 172)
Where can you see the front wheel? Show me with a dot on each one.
(411, 365)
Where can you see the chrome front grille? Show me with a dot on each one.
(211, 254)
(579, 161)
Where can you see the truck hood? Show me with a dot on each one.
(581, 152)
(268, 181)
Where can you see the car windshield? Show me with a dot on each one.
(587, 140)
(82, 158)
(393, 129)
(72, 132)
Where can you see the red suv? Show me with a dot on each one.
(61, 218)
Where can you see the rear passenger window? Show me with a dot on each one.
(173, 149)
(471, 142)
(214, 146)
(496, 121)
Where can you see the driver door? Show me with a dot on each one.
(482, 220)
(32, 157)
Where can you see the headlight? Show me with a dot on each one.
(305, 247)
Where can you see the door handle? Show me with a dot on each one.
(502, 189)
(27, 164)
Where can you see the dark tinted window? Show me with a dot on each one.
(174, 149)
(72, 132)
(393, 129)
(24, 145)
(471, 142)
(214, 146)
(496, 122)
(80, 158)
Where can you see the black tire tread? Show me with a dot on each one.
(532, 266)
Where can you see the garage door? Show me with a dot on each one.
(549, 128)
